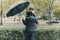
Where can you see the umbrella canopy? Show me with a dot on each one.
(17, 8)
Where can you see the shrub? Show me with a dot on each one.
(39, 35)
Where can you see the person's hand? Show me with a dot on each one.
(33, 12)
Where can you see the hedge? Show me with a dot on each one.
(39, 35)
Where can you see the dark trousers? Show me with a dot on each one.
(29, 35)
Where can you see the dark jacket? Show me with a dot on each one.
(30, 21)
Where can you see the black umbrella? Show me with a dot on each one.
(17, 8)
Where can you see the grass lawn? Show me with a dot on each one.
(38, 27)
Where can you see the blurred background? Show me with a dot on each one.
(46, 10)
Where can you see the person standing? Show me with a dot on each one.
(30, 22)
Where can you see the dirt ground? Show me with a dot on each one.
(11, 24)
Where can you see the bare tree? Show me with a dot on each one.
(50, 9)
